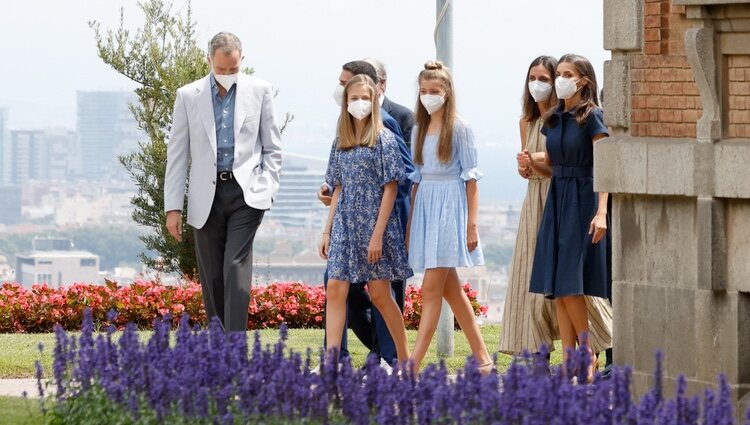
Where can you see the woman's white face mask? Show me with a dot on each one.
(540, 90)
(360, 109)
(566, 87)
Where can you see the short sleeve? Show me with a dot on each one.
(416, 175)
(467, 152)
(333, 172)
(392, 166)
(595, 123)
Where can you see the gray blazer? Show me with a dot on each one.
(257, 148)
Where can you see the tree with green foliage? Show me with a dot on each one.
(160, 57)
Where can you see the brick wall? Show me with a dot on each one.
(665, 100)
(738, 101)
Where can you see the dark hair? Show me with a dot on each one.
(530, 108)
(589, 99)
(361, 67)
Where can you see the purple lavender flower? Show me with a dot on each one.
(659, 377)
(621, 400)
(39, 375)
(709, 415)
(208, 376)
(84, 371)
(723, 407)
(283, 332)
(228, 419)
(60, 360)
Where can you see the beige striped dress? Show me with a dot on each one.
(529, 320)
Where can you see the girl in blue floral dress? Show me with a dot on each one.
(363, 240)
(442, 226)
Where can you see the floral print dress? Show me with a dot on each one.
(362, 172)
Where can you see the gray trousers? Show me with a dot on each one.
(224, 248)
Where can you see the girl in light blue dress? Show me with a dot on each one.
(442, 228)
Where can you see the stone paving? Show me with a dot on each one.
(16, 387)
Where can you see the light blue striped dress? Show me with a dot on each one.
(440, 213)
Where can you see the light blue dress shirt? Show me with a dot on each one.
(224, 119)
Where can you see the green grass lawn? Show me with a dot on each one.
(19, 411)
(18, 352)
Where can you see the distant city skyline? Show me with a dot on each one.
(300, 45)
(106, 129)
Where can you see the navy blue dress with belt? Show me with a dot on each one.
(566, 262)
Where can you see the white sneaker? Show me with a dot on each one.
(316, 370)
(385, 366)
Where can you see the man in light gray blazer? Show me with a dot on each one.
(224, 126)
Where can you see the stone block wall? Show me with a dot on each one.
(677, 97)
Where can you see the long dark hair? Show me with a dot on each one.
(530, 108)
(589, 100)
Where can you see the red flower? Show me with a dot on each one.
(298, 305)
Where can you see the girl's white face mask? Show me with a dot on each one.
(360, 109)
(432, 102)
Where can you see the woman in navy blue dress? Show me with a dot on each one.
(572, 247)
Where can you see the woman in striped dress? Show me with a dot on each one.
(529, 319)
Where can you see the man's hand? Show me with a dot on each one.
(323, 195)
(174, 224)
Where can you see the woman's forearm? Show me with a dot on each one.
(472, 198)
(603, 198)
(540, 163)
(332, 210)
(386, 207)
(412, 198)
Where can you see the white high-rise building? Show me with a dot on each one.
(106, 129)
(28, 157)
(40, 155)
(297, 204)
(61, 145)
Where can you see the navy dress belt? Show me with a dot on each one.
(563, 171)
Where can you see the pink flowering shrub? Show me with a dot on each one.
(413, 305)
(298, 305)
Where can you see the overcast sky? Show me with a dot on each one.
(48, 53)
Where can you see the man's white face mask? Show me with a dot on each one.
(226, 80)
(338, 94)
